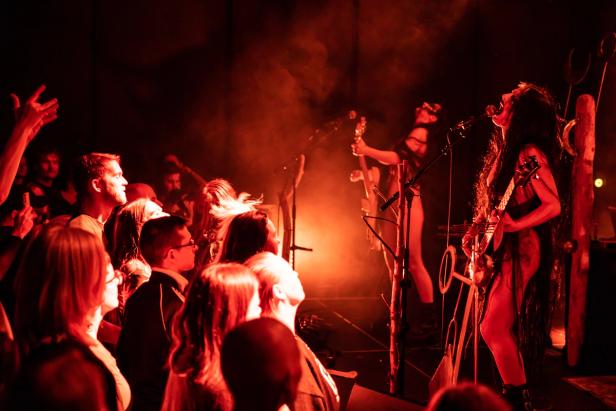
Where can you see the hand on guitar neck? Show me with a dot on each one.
(370, 178)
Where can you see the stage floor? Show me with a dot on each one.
(352, 334)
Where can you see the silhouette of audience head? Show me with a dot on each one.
(60, 379)
(467, 397)
(261, 365)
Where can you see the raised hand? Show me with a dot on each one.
(23, 221)
(31, 116)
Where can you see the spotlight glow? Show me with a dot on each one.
(599, 182)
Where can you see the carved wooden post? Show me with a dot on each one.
(581, 226)
(396, 344)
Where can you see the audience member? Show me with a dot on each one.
(467, 397)
(60, 377)
(135, 191)
(102, 331)
(124, 244)
(246, 235)
(59, 287)
(144, 342)
(219, 298)
(261, 364)
(217, 203)
(281, 293)
(100, 187)
(29, 118)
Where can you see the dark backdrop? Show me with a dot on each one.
(236, 87)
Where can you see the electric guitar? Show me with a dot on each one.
(370, 178)
(493, 229)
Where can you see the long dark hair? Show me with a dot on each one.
(217, 300)
(246, 235)
(534, 121)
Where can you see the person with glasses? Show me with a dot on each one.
(412, 148)
(143, 347)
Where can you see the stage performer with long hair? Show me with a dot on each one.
(515, 323)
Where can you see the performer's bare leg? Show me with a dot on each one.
(496, 329)
(416, 265)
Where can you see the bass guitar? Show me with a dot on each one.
(370, 177)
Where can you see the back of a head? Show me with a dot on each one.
(467, 397)
(126, 229)
(60, 283)
(89, 167)
(261, 365)
(158, 236)
(135, 191)
(217, 300)
(246, 235)
(60, 379)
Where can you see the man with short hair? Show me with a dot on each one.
(100, 187)
(143, 348)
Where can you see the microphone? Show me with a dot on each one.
(488, 112)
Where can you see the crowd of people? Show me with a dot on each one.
(114, 298)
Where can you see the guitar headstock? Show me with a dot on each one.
(360, 128)
(526, 170)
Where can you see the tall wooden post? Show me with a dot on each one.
(396, 332)
(581, 226)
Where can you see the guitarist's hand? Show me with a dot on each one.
(359, 147)
(356, 176)
(509, 224)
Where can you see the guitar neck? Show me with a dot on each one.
(507, 196)
(490, 228)
(368, 184)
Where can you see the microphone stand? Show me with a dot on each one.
(400, 279)
(461, 134)
(294, 246)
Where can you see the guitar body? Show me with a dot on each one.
(492, 230)
(369, 205)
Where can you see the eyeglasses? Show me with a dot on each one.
(191, 243)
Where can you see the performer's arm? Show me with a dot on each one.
(382, 156)
(544, 187)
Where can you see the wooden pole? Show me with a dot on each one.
(396, 343)
(581, 226)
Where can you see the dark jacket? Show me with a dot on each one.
(316, 390)
(145, 340)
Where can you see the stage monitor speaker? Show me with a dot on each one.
(364, 399)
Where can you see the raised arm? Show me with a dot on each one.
(29, 119)
(382, 156)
